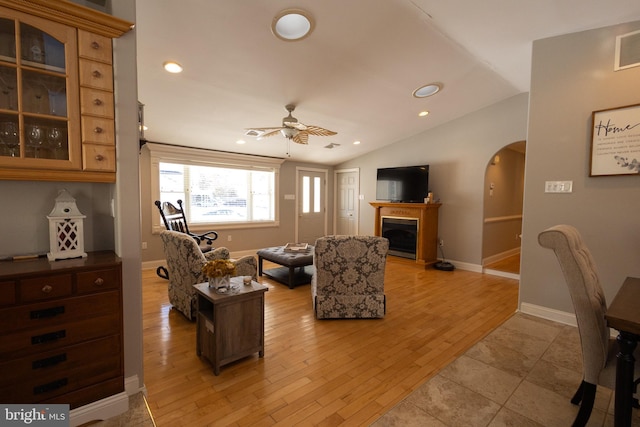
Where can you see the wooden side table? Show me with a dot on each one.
(230, 326)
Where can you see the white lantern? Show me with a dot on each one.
(66, 230)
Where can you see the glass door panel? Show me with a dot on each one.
(8, 95)
(44, 94)
(46, 139)
(7, 40)
(39, 49)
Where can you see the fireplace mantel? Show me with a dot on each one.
(427, 216)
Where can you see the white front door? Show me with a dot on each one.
(311, 207)
(347, 189)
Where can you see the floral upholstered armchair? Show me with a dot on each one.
(185, 261)
(348, 281)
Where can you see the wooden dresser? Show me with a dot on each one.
(61, 330)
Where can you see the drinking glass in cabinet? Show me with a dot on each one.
(35, 139)
(57, 142)
(9, 138)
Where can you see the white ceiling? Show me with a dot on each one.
(354, 74)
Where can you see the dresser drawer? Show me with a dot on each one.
(98, 157)
(44, 288)
(96, 102)
(7, 293)
(44, 375)
(54, 313)
(94, 46)
(98, 280)
(97, 75)
(98, 130)
(47, 338)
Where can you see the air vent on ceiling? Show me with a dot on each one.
(627, 51)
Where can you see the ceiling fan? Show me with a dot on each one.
(291, 129)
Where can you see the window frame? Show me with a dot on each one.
(162, 153)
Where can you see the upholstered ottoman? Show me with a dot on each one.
(296, 266)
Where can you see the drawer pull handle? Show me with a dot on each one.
(47, 312)
(49, 361)
(99, 281)
(97, 101)
(98, 129)
(95, 45)
(99, 157)
(45, 388)
(47, 289)
(97, 74)
(51, 336)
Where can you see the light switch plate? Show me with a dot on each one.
(558, 186)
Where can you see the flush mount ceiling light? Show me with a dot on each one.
(427, 90)
(423, 113)
(292, 25)
(172, 67)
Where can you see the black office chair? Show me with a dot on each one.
(175, 220)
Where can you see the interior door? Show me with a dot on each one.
(311, 207)
(347, 189)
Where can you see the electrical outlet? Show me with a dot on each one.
(144, 245)
(229, 238)
(441, 242)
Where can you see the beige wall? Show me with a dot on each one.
(572, 76)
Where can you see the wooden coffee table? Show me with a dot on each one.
(296, 267)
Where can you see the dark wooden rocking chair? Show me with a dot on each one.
(175, 220)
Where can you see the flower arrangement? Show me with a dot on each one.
(219, 268)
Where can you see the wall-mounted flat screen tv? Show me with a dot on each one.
(404, 184)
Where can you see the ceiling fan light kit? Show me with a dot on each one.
(291, 129)
(292, 24)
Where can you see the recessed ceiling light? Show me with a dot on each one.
(427, 90)
(423, 113)
(240, 141)
(292, 24)
(172, 67)
(356, 142)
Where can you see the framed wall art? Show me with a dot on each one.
(615, 141)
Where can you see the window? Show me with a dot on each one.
(215, 188)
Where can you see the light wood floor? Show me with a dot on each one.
(329, 372)
(510, 264)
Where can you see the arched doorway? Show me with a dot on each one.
(503, 199)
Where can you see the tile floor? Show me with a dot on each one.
(138, 415)
(522, 374)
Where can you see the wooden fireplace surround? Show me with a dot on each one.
(427, 216)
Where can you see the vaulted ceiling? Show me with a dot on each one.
(354, 74)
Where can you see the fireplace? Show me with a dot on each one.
(402, 234)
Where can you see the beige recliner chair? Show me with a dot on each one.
(185, 261)
(348, 281)
(598, 348)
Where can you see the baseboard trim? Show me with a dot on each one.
(502, 255)
(108, 407)
(549, 314)
(501, 273)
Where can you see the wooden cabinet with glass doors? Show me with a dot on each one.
(56, 93)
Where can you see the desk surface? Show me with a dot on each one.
(624, 312)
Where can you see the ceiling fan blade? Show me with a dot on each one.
(318, 131)
(301, 138)
(270, 132)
